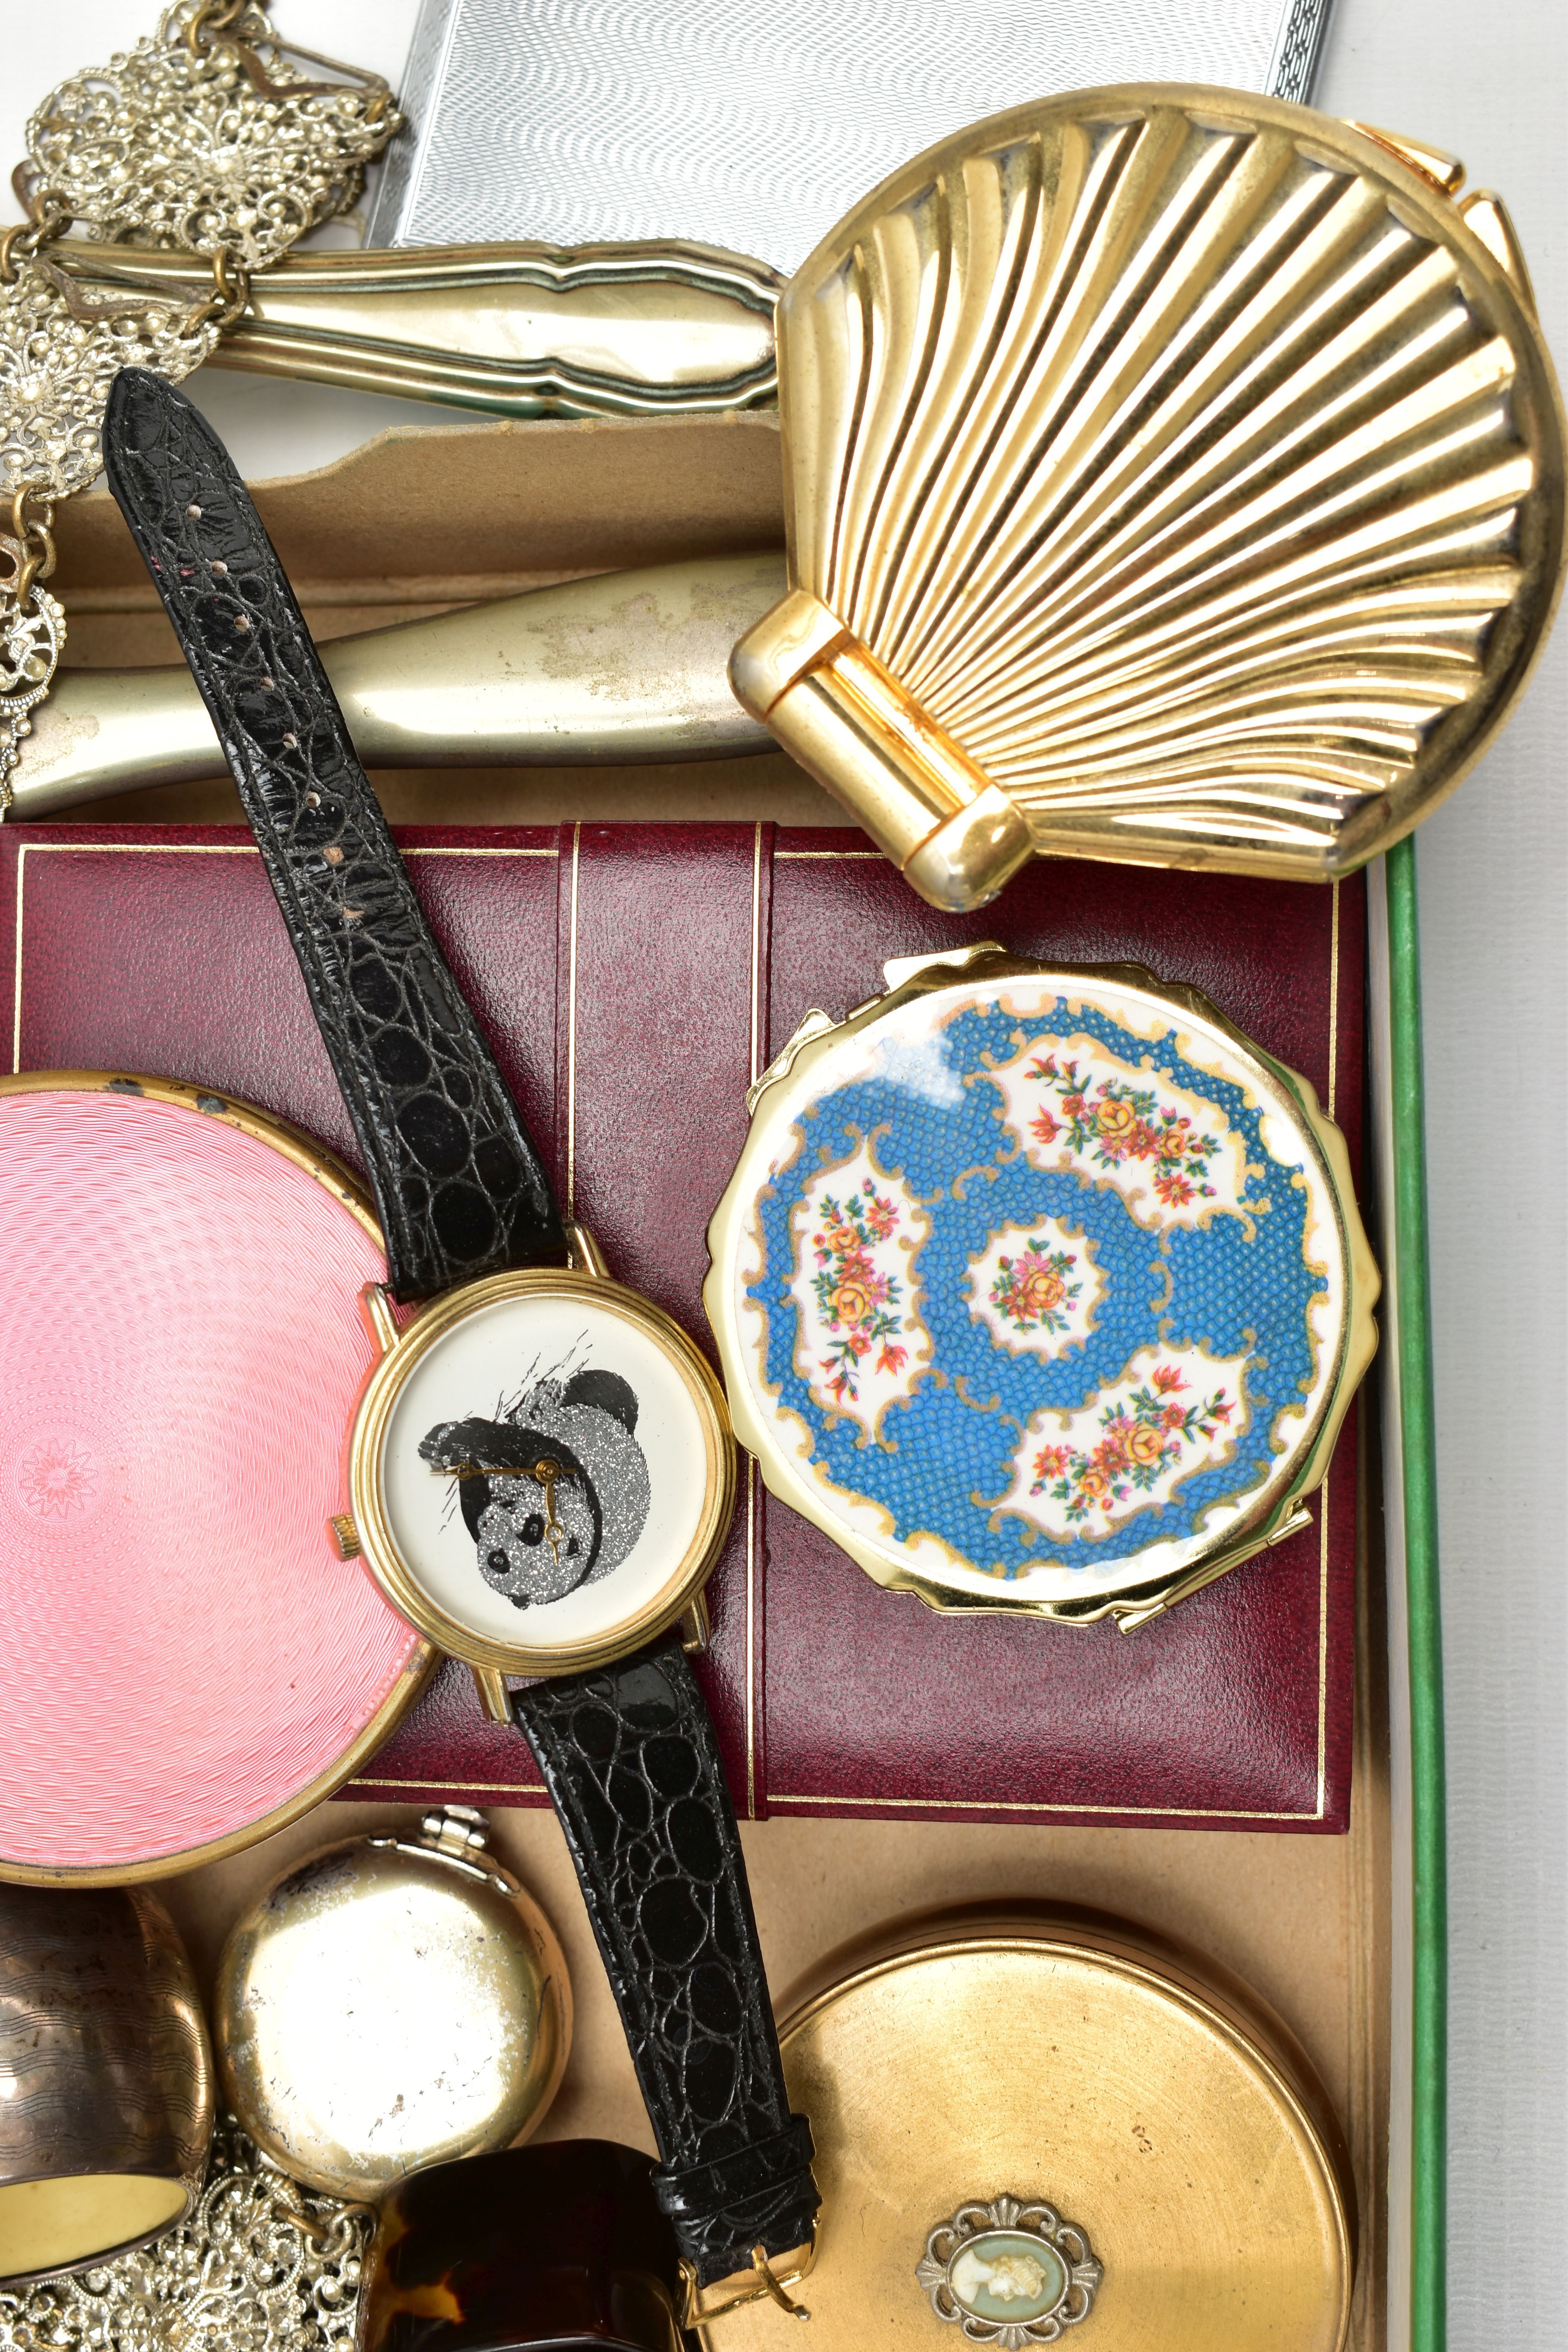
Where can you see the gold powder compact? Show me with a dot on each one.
(1172, 475)
(1034, 2122)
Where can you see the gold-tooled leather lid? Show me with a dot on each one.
(1040, 2110)
(390, 2002)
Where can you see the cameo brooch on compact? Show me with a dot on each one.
(1010, 2273)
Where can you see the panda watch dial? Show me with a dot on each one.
(541, 1468)
(554, 1490)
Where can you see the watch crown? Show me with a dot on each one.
(345, 1535)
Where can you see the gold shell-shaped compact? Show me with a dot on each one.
(391, 2002)
(1040, 1289)
(1172, 475)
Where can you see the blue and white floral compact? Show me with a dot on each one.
(1040, 1289)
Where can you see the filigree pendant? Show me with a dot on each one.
(260, 2266)
(60, 350)
(215, 147)
(30, 644)
(205, 139)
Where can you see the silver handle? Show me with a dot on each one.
(627, 668)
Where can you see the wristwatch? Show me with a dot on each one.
(1040, 1289)
(540, 1469)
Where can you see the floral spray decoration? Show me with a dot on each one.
(1112, 1123)
(859, 1303)
(1147, 1434)
(1031, 1291)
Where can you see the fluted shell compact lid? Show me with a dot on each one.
(390, 2002)
(1040, 1289)
(1050, 2124)
(1173, 475)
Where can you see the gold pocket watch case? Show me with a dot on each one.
(1041, 1290)
(389, 2002)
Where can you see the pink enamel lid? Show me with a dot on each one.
(186, 1662)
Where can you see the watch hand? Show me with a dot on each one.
(545, 1473)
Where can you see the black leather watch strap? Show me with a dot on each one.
(458, 1185)
(628, 1753)
(629, 1756)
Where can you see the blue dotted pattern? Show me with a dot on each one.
(943, 1460)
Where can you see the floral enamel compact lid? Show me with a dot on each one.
(1040, 1289)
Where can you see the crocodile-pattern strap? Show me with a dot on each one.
(629, 1755)
(459, 1188)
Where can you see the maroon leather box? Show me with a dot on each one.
(634, 978)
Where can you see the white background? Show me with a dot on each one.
(1490, 83)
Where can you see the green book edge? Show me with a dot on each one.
(1418, 1469)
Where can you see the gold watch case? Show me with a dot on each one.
(541, 1344)
(1039, 1289)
